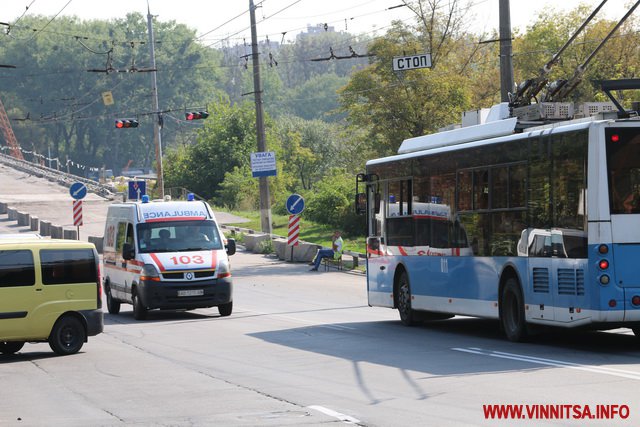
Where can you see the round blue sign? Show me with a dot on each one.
(78, 190)
(295, 204)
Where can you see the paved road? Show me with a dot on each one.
(304, 348)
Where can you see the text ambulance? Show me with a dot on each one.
(166, 255)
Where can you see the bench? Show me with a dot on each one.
(332, 262)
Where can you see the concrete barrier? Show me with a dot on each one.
(34, 223)
(69, 234)
(45, 228)
(3, 208)
(280, 246)
(12, 214)
(304, 252)
(56, 232)
(24, 219)
(97, 241)
(253, 241)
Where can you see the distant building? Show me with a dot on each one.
(317, 29)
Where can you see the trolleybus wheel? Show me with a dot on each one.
(407, 316)
(512, 313)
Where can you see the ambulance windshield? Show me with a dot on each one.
(178, 236)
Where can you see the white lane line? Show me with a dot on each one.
(552, 362)
(334, 414)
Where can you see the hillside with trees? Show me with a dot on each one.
(324, 116)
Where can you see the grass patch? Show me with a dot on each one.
(311, 232)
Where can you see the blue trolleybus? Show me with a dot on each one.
(531, 226)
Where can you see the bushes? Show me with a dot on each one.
(332, 203)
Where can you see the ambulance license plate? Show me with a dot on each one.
(191, 293)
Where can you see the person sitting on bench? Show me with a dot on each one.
(335, 252)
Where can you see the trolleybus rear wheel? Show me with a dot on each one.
(512, 313)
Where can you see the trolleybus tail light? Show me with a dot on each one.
(603, 249)
(635, 300)
(615, 137)
(604, 279)
(612, 303)
(603, 264)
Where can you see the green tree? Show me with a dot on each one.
(63, 102)
(223, 144)
(398, 105)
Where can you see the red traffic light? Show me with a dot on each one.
(126, 123)
(196, 115)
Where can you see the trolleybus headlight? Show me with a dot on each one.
(603, 264)
(603, 249)
(635, 300)
(604, 279)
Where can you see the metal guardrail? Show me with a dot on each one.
(61, 177)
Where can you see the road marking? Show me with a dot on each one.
(334, 414)
(552, 362)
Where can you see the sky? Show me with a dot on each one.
(219, 19)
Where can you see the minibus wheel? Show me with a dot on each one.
(10, 347)
(512, 311)
(404, 300)
(68, 336)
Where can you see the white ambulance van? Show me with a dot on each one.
(166, 255)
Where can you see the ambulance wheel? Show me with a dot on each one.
(68, 336)
(139, 310)
(113, 305)
(225, 309)
(512, 311)
(10, 347)
(407, 315)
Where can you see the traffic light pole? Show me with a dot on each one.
(265, 199)
(157, 137)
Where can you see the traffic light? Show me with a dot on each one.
(126, 123)
(196, 115)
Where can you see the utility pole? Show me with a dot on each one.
(265, 199)
(157, 139)
(506, 62)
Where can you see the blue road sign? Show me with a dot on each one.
(78, 190)
(137, 189)
(295, 204)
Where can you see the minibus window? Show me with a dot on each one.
(16, 268)
(67, 266)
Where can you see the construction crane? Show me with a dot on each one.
(9, 136)
(528, 89)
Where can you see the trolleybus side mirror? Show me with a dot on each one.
(361, 203)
